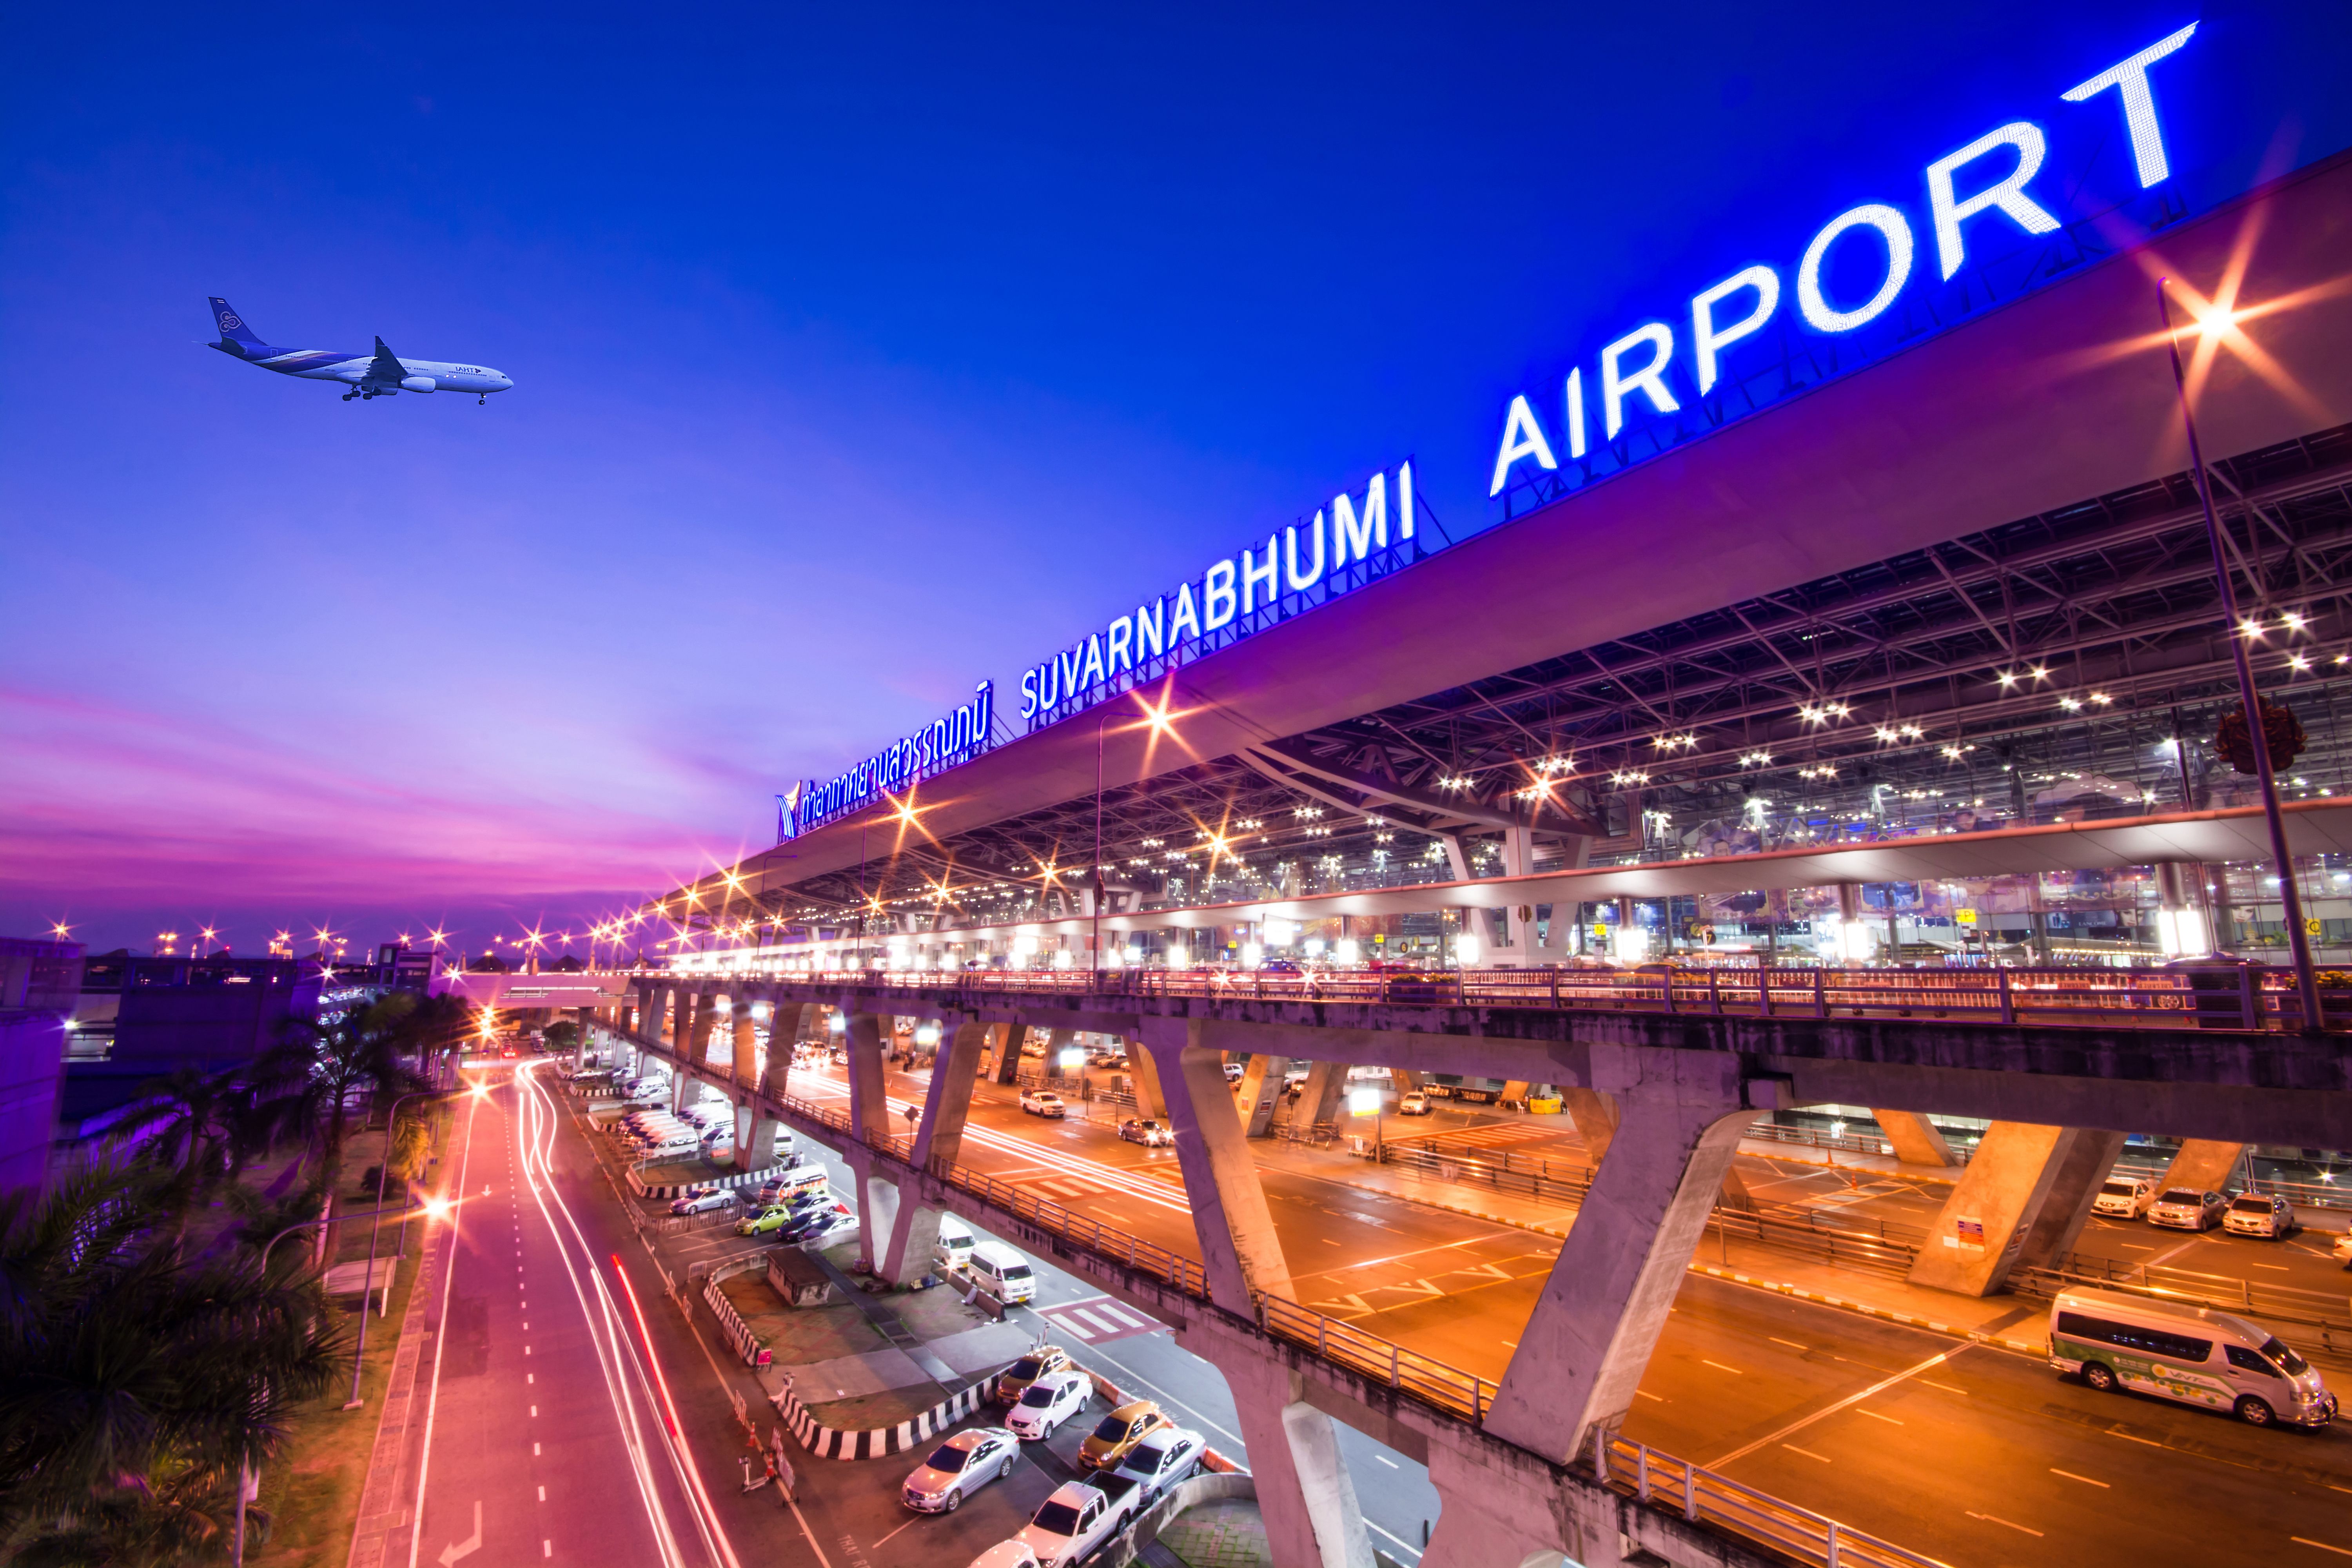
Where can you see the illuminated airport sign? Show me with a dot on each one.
(1352, 541)
(1978, 231)
(958, 737)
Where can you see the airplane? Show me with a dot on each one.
(379, 374)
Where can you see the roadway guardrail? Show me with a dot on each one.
(2248, 996)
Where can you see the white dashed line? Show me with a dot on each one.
(1808, 1453)
(1995, 1519)
(2072, 1477)
(1720, 1367)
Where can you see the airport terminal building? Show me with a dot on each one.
(1859, 605)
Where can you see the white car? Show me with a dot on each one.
(1075, 1521)
(1048, 1402)
(959, 1466)
(1415, 1104)
(702, 1200)
(2123, 1197)
(1007, 1555)
(2186, 1208)
(1161, 1460)
(1042, 1102)
(2254, 1213)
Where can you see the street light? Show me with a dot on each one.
(2306, 984)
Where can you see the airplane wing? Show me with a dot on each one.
(384, 369)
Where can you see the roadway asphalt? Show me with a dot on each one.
(2009, 1463)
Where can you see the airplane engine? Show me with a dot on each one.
(419, 382)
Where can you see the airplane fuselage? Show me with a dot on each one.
(416, 375)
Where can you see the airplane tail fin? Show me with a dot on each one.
(232, 325)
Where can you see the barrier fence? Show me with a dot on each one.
(1664, 1482)
(2228, 996)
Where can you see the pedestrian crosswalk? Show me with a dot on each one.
(1097, 1320)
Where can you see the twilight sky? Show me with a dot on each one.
(859, 355)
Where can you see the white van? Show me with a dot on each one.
(682, 1142)
(2193, 1355)
(951, 1254)
(1001, 1272)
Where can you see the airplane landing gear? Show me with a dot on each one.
(348, 396)
(483, 401)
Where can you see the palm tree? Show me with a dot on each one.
(323, 1068)
(184, 1121)
(135, 1383)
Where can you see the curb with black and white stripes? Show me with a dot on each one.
(878, 1442)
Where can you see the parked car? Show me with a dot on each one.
(1117, 1434)
(702, 1200)
(1413, 1104)
(1162, 1459)
(1078, 1517)
(800, 1182)
(1234, 1072)
(1151, 1134)
(774, 1217)
(2123, 1197)
(2257, 1214)
(1006, 1554)
(959, 1466)
(1042, 1102)
(818, 1226)
(1107, 1059)
(1014, 1379)
(2186, 1208)
(1048, 1402)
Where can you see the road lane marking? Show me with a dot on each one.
(1720, 1367)
(2084, 1479)
(1384, 1459)
(2129, 1438)
(1798, 1426)
(2168, 1256)
(2273, 1268)
(1808, 1453)
(543, 1491)
(1945, 1386)
(1995, 1519)
(886, 1540)
(1790, 1343)
(1647, 1395)
(2307, 1540)
(1875, 1415)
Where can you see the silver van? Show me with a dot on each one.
(2192, 1354)
(951, 1254)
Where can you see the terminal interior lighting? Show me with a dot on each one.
(1347, 952)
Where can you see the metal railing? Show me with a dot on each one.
(2327, 1311)
(1702, 1495)
(2249, 996)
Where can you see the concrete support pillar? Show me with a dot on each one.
(1595, 1115)
(1008, 1052)
(680, 1017)
(1327, 1089)
(745, 1044)
(697, 1048)
(869, 1103)
(2204, 1163)
(1915, 1138)
(1585, 1346)
(1056, 1043)
(939, 1138)
(1239, 1246)
(2022, 1199)
(1144, 1073)
(1305, 1494)
(784, 1029)
(1261, 1088)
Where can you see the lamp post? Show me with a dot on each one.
(245, 1478)
(2291, 901)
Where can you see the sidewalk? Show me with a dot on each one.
(2003, 1321)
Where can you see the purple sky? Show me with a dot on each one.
(855, 360)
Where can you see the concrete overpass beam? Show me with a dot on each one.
(938, 1140)
(1915, 1138)
(1304, 1491)
(1261, 1088)
(1595, 1115)
(1590, 1337)
(2024, 1199)
(1239, 1247)
(2203, 1164)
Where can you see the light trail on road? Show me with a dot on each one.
(622, 1358)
